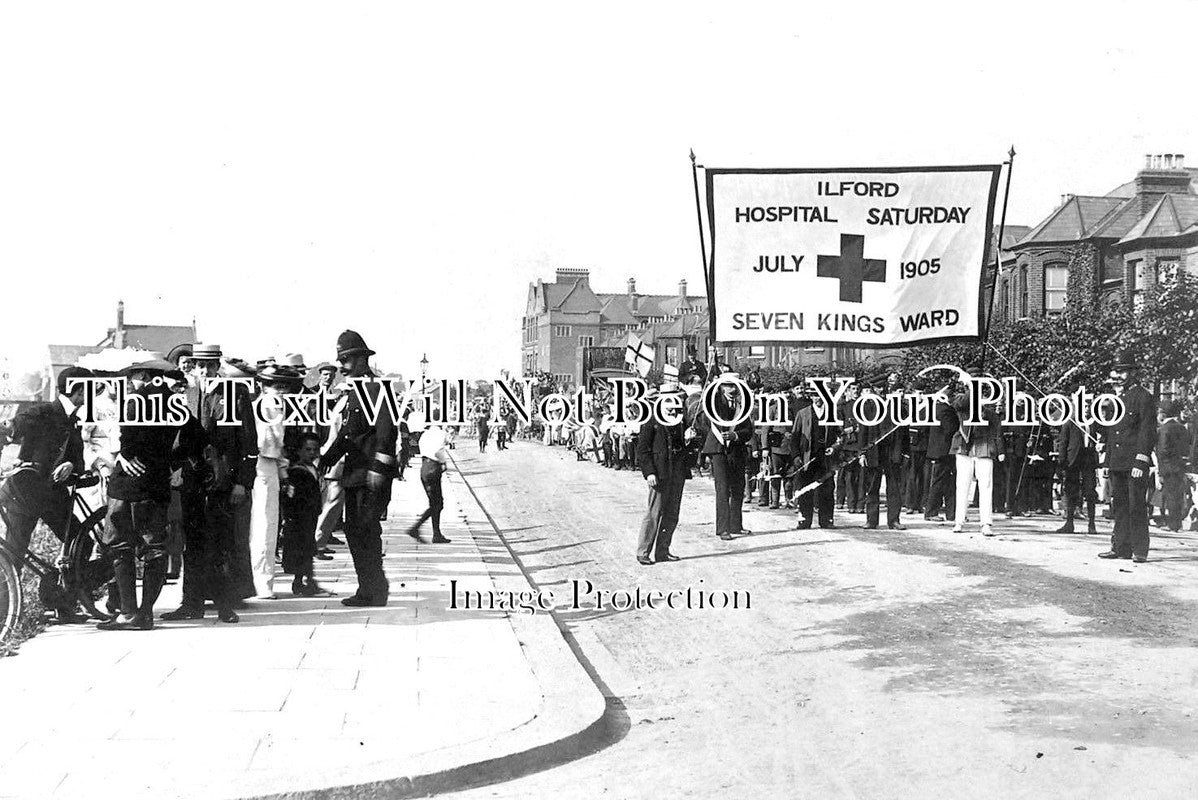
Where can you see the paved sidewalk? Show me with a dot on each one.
(303, 694)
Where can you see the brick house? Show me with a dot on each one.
(1095, 249)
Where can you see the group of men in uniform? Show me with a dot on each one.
(220, 475)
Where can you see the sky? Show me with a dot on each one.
(282, 171)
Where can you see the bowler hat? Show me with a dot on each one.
(179, 351)
(351, 343)
(206, 352)
(325, 366)
(1127, 360)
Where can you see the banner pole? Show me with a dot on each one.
(706, 272)
(1002, 225)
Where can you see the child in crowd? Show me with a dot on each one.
(301, 507)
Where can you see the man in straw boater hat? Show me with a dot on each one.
(369, 452)
(215, 489)
(1129, 445)
(139, 494)
(664, 455)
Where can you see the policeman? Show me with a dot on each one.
(51, 453)
(1128, 457)
(369, 451)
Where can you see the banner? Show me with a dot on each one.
(879, 257)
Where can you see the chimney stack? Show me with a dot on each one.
(1163, 173)
(118, 335)
(682, 287)
(631, 286)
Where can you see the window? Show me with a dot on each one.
(1056, 282)
(1137, 272)
(586, 341)
(813, 349)
(561, 330)
(1166, 271)
(1004, 300)
(756, 351)
(1023, 304)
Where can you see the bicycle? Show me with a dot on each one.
(76, 578)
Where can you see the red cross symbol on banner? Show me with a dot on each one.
(851, 267)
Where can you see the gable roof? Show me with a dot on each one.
(614, 312)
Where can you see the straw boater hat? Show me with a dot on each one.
(205, 352)
(351, 343)
(326, 366)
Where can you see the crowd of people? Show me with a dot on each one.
(932, 473)
(235, 502)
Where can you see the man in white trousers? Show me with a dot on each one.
(976, 447)
(276, 381)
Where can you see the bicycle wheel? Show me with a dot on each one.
(86, 577)
(10, 596)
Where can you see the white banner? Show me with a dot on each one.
(875, 257)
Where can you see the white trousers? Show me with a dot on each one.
(968, 468)
(264, 526)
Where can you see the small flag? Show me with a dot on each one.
(639, 355)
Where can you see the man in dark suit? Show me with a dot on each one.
(139, 494)
(1077, 459)
(726, 446)
(662, 451)
(1130, 442)
(883, 448)
(51, 452)
(849, 493)
(369, 451)
(215, 489)
(1172, 448)
(941, 462)
(812, 441)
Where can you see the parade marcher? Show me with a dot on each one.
(214, 491)
(1040, 470)
(181, 357)
(663, 452)
(300, 506)
(1130, 443)
(139, 494)
(434, 459)
(883, 449)
(811, 442)
(369, 452)
(848, 479)
(727, 447)
(1077, 459)
(779, 442)
(976, 448)
(484, 429)
(916, 488)
(1172, 448)
(50, 456)
(941, 463)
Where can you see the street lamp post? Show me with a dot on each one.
(423, 371)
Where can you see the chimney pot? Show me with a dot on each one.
(632, 285)
(1168, 161)
(1148, 161)
(1179, 161)
(682, 287)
